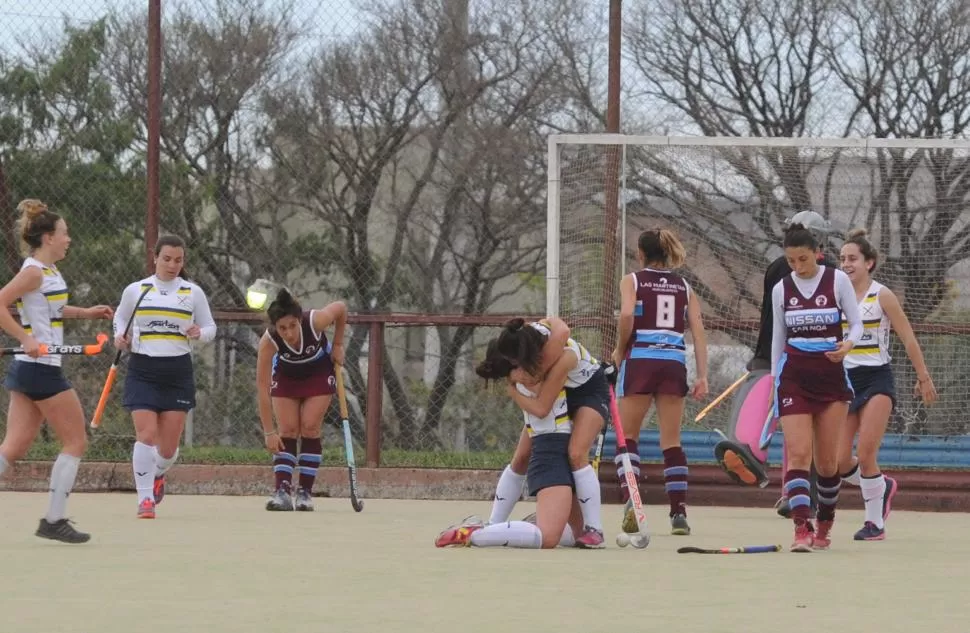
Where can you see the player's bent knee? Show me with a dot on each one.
(550, 541)
(578, 458)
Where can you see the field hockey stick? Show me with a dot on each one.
(631, 478)
(355, 499)
(724, 394)
(767, 430)
(63, 350)
(753, 549)
(109, 381)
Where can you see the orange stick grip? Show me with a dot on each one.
(103, 401)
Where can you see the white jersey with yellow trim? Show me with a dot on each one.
(873, 347)
(587, 364)
(161, 320)
(42, 311)
(557, 421)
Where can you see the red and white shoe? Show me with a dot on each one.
(146, 509)
(804, 537)
(459, 536)
(822, 538)
(591, 539)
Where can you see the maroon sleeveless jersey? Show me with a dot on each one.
(660, 315)
(813, 324)
(311, 358)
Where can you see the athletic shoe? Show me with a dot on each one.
(459, 536)
(629, 524)
(61, 531)
(803, 537)
(158, 489)
(591, 539)
(782, 508)
(870, 532)
(281, 501)
(679, 526)
(823, 536)
(304, 502)
(146, 509)
(892, 487)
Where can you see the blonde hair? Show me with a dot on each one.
(662, 246)
(35, 221)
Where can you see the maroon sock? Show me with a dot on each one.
(799, 490)
(634, 452)
(283, 464)
(675, 479)
(828, 496)
(309, 460)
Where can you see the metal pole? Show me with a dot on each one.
(607, 299)
(154, 129)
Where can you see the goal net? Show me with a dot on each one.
(727, 199)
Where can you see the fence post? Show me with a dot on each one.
(375, 393)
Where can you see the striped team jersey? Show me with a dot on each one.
(161, 320)
(42, 312)
(814, 323)
(308, 358)
(659, 316)
(584, 369)
(557, 421)
(873, 347)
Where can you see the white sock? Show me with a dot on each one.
(63, 475)
(873, 490)
(4, 464)
(508, 534)
(568, 538)
(588, 495)
(507, 494)
(852, 477)
(161, 464)
(143, 466)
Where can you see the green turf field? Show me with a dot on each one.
(214, 564)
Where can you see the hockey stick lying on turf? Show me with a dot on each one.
(355, 499)
(642, 538)
(753, 549)
(724, 394)
(109, 381)
(64, 350)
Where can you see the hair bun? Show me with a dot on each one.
(283, 297)
(515, 324)
(857, 233)
(31, 207)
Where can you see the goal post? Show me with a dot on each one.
(727, 199)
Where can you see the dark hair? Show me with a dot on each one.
(796, 235)
(494, 366)
(175, 242)
(521, 345)
(869, 252)
(662, 246)
(283, 305)
(35, 221)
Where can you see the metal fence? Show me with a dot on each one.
(391, 153)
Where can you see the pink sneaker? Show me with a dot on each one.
(823, 538)
(803, 537)
(591, 539)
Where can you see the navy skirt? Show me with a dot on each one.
(35, 380)
(871, 381)
(594, 393)
(549, 463)
(159, 383)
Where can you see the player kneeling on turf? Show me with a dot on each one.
(550, 481)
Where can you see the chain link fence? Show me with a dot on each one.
(391, 154)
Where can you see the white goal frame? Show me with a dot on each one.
(556, 141)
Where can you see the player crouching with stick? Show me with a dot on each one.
(295, 381)
(549, 475)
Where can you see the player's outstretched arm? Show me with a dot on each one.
(264, 381)
(333, 314)
(900, 323)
